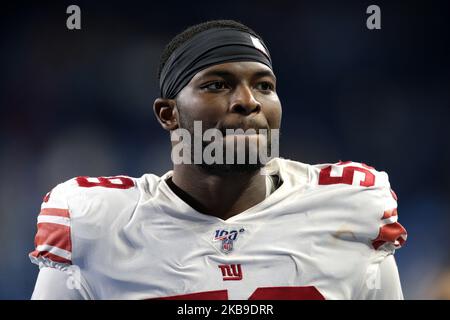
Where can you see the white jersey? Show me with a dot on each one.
(328, 232)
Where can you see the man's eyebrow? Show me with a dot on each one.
(264, 73)
(219, 73)
(228, 74)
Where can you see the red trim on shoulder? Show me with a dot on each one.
(50, 256)
(55, 212)
(394, 233)
(55, 235)
(47, 197)
(390, 213)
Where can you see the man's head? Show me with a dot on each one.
(219, 73)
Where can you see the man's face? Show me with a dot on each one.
(234, 95)
(231, 95)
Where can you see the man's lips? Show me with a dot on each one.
(243, 128)
(243, 131)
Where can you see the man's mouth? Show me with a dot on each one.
(244, 130)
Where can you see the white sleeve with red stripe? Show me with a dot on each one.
(376, 199)
(53, 243)
(391, 234)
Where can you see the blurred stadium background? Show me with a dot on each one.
(80, 103)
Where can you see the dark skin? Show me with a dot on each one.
(234, 94)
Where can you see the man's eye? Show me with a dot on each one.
(265, 86)
(216, 85)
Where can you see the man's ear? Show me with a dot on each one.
(166, 112)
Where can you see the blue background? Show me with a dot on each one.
(80, 103)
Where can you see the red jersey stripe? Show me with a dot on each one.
(55, 235)
(392, 232)
(55, 212)
(50, 256)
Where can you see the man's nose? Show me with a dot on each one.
(243, 101)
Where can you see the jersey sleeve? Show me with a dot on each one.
(382, 280)
(75, 216)
(74, 232)
(363, 203)
(53, 240)
(391, 234)
(55, 284)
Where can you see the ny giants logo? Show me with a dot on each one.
(227, 238)
(231, 272)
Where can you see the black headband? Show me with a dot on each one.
(210, 47)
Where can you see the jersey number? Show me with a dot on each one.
(106, 182)
(347, 175)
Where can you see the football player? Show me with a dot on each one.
(220, 230)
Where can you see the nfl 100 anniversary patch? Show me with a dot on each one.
(226, 238)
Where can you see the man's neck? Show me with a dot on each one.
(222, 196)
